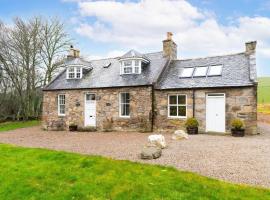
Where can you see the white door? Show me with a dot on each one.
(215, 113)
(90, 110)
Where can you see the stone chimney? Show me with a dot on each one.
(169, 47)
(73, 53)
(251, 53)
(251, 47)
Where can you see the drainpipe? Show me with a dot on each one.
(193, 101)
(152, 113)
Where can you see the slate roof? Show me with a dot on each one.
(235, 72)
(134, 54)
(101, 76)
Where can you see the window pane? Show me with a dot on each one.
(127, 109)
(173, 110)
(71, 69)
(182, 111)
(181, 99)
(91, 97)
(127, 98)
(71, 75)
(78, 75)
(136, 70)
(136, 63)
(215, 70)
(187, 72)
(123, 110)
(173, 99)
(200, 71)
(127, 63)
(127, 70)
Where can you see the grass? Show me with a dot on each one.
(7, 126)
(264, 108)
(264, 90)
(27, 173)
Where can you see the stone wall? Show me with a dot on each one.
(107, 109)
(240, 103)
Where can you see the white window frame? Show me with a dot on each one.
(132, 66)
(177, 105)
(76, 71)
(120, 105)
(61, 104)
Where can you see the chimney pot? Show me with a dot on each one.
(169, 35)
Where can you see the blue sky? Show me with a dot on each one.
(200, 27)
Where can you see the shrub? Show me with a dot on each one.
(237, 124)
(192, 123)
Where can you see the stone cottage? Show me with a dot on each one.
(154, 91)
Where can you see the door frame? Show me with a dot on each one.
(206, 102)
(95, 108)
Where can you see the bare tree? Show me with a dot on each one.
(55, 42)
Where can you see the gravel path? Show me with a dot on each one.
(241, 160)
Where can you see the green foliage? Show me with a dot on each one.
(6, 126)
(264, 90)
(192, 123)
(237, 124)
(43, 174)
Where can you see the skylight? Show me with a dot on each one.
(200, 71)
(215, 70)
(187, 72)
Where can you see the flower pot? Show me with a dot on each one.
(192, 130)
(238, 132)
(73, 128)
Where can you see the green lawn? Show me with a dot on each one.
(7, 126)
(264, 90)
(27, 173)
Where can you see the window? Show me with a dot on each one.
(124, 104)
(177, 106)
(61, 104)
(200, 71)
(215, 70)
(187, 72)
(74, 72)
(131, 67)
(90, 97)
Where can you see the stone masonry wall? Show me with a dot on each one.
(240, 103)
(107, 109)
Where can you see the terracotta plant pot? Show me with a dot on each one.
(238, 132)
(192, 130)
(73, 128)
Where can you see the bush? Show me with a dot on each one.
(192, 123)
(237, 124)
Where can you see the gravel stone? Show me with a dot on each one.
(240, 160)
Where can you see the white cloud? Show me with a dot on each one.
(142, 25)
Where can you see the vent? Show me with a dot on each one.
(107, 65)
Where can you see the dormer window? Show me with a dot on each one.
(131, 67)
(74, 72)
(132, 62)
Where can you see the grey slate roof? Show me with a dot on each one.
(236, 72)
(101, 76)
(134, 54)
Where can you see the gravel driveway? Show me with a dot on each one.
(241, 160)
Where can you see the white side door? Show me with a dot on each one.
(215, 113)
(90, 110)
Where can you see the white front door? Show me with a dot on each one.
(215, 113)
(90, 110)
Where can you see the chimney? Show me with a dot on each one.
(73, 53)
(169, 47)
(251, 47)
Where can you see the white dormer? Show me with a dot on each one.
(131, 62)
(74, 72)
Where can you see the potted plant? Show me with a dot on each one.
(73, 127)
(237, 128)
(192, 125)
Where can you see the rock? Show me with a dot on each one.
(157, 140)
(179, 134)
(149, 153)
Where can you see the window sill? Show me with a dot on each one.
(125, 117)
(171, 117)
(61, 115)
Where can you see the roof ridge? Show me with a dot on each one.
(232, 54)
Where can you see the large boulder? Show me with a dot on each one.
(157, 140)
(150, 152)
(179, 134)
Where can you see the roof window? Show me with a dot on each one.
(187, 72)
(215, 70)
(200, 71)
